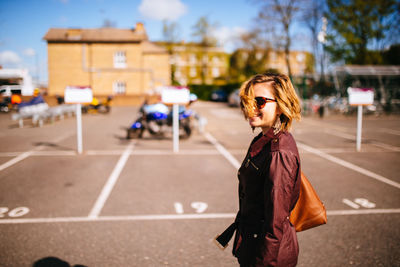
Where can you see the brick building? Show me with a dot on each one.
(112, 61)
(192, 63)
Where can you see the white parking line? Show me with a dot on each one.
(223, 150)
(15, 160)
(105, 193)
(24, 155)
(348, 165)
(390, 131)
(193, 216)
(158, 152)
(339, 132)
(353, 137)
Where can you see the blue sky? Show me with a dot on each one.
(23, 23)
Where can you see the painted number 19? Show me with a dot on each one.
(199, 207)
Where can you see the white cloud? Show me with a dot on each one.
(228, 37)
(162, 9)
(9, 57)
(30, 52)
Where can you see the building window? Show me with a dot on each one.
(120, 59)
(178, 73)
(205, 59)
(215, 60)
(192, 59)
(193, 72)
(119, 88)
(215, 72)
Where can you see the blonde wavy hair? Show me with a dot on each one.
(287, 100)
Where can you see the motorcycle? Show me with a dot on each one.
(157, 119)
(96, 107)
(5, 105)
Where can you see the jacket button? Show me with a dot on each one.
(275, 140)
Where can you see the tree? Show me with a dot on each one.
(203, 31)
(392, 55)
(171, 32)
(277, 17)
(358, 28)
(313, 18)
(251, 58)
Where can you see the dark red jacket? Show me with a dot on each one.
(269, 185)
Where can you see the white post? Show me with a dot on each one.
(359, 126)
(175, 127)
(79, 127)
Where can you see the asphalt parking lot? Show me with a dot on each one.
(136, 203)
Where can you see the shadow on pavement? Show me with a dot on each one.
(53, 262)
(48, 144)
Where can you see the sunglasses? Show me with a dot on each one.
(261, 101)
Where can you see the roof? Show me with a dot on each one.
(369, 70)
(151, 48)
(95, 35)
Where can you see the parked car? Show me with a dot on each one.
(234, 98)
(219, 95)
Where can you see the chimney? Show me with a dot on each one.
(140, 28)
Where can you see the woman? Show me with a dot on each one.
(269, 177)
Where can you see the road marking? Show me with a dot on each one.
(108, 187)
(353, 137)
(365, 203)
(181, 152)
(350, 203)
(361, 212)
(158, 217)
(154, 152)
(24, 155)
(222, 150)
(15, 160)
(10, 154)
(54, 153)
(386, 146)
(104, 152)
(200, 207)
(178, 207)
(349, 165)
(390, 131)
(340, 132)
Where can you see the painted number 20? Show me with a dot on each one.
(17, 212)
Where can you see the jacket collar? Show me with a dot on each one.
(258, 145)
